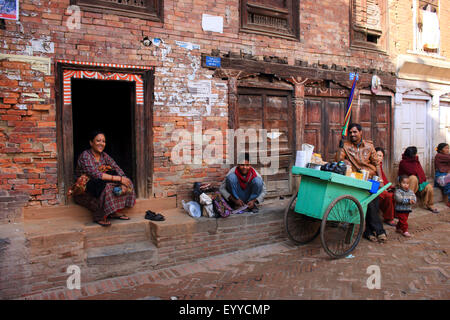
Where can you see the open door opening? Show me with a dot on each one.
(107, 105)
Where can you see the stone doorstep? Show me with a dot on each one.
(105, 255)
(438, 195)
(178, 222)
(122, 254)
(72, 225)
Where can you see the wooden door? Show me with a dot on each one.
(324, 118)
(375, 119)
(270, 110)
(410, 120)
(445, 122)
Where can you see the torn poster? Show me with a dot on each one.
(9, 9)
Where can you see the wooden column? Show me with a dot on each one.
(299, 109)
(233, 102)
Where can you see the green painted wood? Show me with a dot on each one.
(319, 188)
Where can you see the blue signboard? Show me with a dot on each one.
(213, 61)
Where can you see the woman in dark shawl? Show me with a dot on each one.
(418, 183)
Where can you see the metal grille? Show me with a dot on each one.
(130, 3)
(272, 22)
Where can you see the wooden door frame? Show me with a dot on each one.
(143, 133)
(234, 118)
(289, 93)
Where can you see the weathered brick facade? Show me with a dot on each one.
(313, 69)
(28, 132)
(28, 117)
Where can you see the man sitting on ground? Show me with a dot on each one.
(243, 185)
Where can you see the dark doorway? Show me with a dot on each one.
(107, 105)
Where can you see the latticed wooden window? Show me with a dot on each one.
(368, 20)
(271, 17)
(144, 9)
(367, 16)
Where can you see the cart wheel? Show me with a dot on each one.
(339, 238)
(300, 229)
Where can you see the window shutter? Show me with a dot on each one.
(271, 17)
(367, 16)
(144, 9)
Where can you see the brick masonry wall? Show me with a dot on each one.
(28, 155)
(402, 31)
(35, 264)
(14, 267)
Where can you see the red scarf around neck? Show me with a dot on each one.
(245, 181)
(412, 167)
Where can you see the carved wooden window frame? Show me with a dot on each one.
(365, 37)
(277, 16)
(151, 10)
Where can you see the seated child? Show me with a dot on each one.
(404, 198)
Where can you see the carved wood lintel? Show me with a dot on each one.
(232, 73)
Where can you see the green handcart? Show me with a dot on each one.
(331, 204)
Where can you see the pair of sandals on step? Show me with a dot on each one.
(149, 215)
(105, 223)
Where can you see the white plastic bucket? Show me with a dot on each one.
(300, 160)
(308, 148)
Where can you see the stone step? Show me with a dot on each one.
(75, 211)
(119, 260)
(120, 231)
(438, 196)
(122, 254)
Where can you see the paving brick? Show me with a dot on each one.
(283, 271)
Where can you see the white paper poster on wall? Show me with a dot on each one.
(9, 9)
(212, 23)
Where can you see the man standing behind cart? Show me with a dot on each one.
(361, 155)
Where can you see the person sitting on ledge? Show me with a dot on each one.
(108, 190)
(243, 185)
(410, 166)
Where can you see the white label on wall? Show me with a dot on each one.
(212, 23)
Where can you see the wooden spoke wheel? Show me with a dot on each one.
(342, 226)
(300, 228)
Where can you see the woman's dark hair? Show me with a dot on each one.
(441, 146)
(380, 149)
(357, 125)
(410, 152)
(95, 133)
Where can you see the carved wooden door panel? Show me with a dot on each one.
(270, 110)
(375, 119)
(324, 118)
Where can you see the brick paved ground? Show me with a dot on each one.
(415, 268)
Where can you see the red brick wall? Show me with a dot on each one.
(402, 31)
(28, 159)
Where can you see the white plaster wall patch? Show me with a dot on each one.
(43, 45)
(201, 87)
(195, 65)
(41, 64)
(187, 45)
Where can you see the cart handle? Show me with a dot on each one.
(369, 199)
